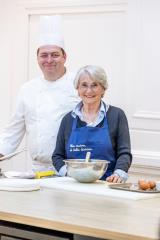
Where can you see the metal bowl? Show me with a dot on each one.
(86, 172)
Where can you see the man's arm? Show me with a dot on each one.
(12, 135)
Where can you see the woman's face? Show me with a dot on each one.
(89, 90)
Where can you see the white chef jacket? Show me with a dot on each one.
(41, 104)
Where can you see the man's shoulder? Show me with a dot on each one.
(71, 74)
(31, 84)
(68, 81)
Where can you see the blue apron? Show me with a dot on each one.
(91, 139)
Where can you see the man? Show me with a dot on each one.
(41, 104)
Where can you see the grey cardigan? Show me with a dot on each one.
(119, 134)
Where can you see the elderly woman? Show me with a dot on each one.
(96, 127)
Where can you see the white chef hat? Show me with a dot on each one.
(50, 31)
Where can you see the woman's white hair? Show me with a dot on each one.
(94, 72)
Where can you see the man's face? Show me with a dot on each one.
(51, 60)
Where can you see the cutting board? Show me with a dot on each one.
(98, 188)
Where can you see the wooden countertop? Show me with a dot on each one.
(85, 214)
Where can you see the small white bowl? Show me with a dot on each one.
(158, 185)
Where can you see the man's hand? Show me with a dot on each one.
(114, 179)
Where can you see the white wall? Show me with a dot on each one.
(143, 73)
(121, 36)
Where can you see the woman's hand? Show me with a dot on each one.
(114, 179)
